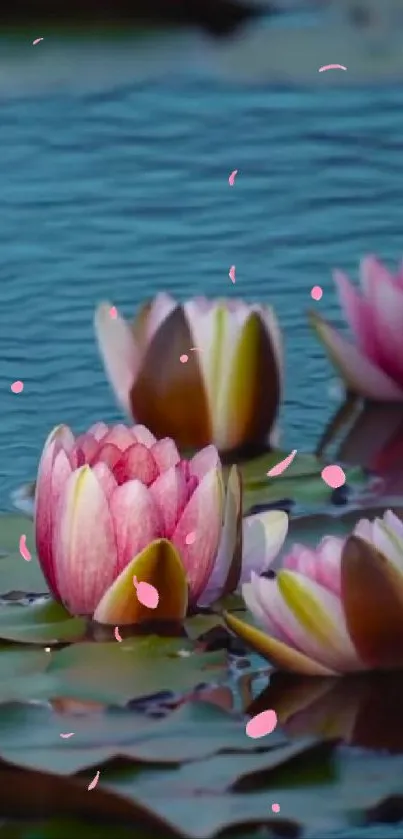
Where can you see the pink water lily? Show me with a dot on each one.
(206, 371)
(334, 609)
(373, 367)
(115, 503)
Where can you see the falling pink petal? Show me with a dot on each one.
(261, 724)
(113, 312)
(117, 634)
(191, 537)
(94, 781)
(65, 736)
(316, 292)
(23, 548)
(184, 358)
(37, 41)
(232, 273)
(282, 466)
(275, 808)
(332, 67)
(17, 386)
(146, 594)
(333, 476)
(231, 179)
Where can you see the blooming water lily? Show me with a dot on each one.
(373, 368)
(334, 609)
(202, 372)
(115, 503)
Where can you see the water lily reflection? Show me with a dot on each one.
(369, 435)
(362, 710)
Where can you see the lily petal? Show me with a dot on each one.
(136, 463)
(169, 397)
(321, 621)
(203, 461)
(85, 557)
(372, 594)
(359, 374)
(203, 517)
(249, 408)
(170, 495)
(228, 565)
(120, 354)
(263, 537)
(159, 564)
(359, 315)
(60, 437)
(136, 519)
(275, 652)
(165, 454)
(150, 317)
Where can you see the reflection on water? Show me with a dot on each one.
(369, 435)
(363, 710)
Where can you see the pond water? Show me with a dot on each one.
(117, 192)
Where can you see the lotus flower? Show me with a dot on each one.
(374, 367)
(226, 388)
(114, 504)
(334, 609)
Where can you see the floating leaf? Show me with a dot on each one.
(39, 623)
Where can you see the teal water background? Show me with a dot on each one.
(120, 193)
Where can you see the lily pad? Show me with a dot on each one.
(300, 484)
(30, 737)
(114, 673)
(39, 623)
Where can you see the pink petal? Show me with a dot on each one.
(143, 435)
(205, 460)
(165, 454)
(120, 436)
(105, 478)
(359, 373)
(358, 314)
(120, 354)
(98, 430)
(60, 438)
(388, 316)
(109, 454)
(322, 565)
(137, 521)
(136, 463)
(372, 274)
(84, 543)
(170, 494)
(85, 446)
(203, 516)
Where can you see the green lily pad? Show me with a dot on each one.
(30, 737)
(39, 623)
(301, 482)
(114, 673)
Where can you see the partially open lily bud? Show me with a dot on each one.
(202, 372)
(335, 609)
(114, 509)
